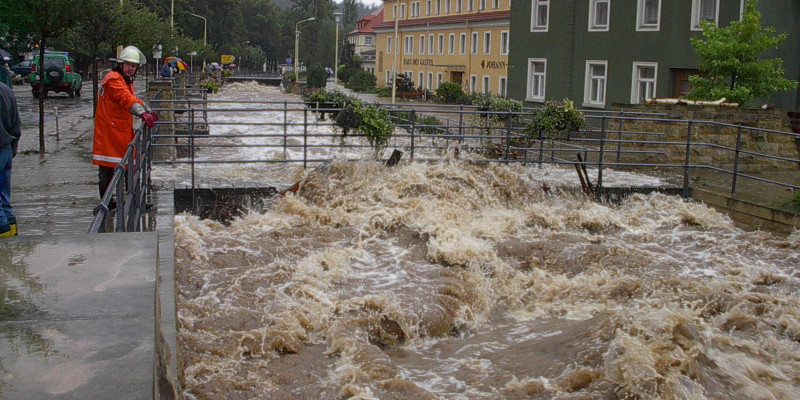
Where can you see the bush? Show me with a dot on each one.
(383, 92)
(450, 93)
(212, 85)
(555, 119)
(316, 77)
(377, 126)
(362, 81)
(404, 84)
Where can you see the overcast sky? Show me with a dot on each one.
(367, 2)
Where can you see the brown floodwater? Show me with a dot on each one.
(459, 280)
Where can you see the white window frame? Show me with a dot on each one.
(389, 44)
(409, 75)
(536, 6)
(438, 7)
(470, 5)
(502, 87)
(462, 43)
(402, 10)
(481, 5)
(430, 81)
(487, 85)
(439, 79)
(368, 41)
(495, 4)
(408, 44)
(451, 44)
(415, 9)
(487, 42)
(640, 17)
(421, 44)
(431, 44)
(447, 6)
(593, 25)
(474, 48)
(589, 84)
(421, 82)
(636, 80)
(504, 42)
(473, 83)
(388, 77)
(440, 44)
(696, 14)
(459, 6)
(428, 7)
(534, 76)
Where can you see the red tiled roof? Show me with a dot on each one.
(375, 18)
(487, 16)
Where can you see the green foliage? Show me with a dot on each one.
(730, 58)
(450, 93)
(316, 77)
(383, 92)
(488, 102)
(377, 126)
(794, 202)
(362, 81)
(555, 120)
(212, 85)
(404, 84)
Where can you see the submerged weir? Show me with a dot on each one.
(465, 281)
(461, 280)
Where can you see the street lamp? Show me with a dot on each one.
(338, 17)
(296, 47)
(204, 35)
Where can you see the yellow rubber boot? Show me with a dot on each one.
(13, 229)
(6, 234)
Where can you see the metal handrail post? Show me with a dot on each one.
(601, 155)
(619, 136)
(305, 138)
(413, 126)
(191, 151)
(461, 122)
(736, 159)
(541, 146)
(119, 226)
(508, 138)
(685, 193)
(285, 122)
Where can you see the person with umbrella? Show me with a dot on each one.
(5, 71)
(113, 126)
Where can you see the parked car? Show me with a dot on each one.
(59, 75)
(23, 67)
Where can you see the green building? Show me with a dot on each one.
(603, 52)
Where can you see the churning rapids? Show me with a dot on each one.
(458, 280)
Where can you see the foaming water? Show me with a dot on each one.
(471, 281)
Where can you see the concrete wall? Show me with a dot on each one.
(781, 145)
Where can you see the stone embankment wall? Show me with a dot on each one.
(781, 145)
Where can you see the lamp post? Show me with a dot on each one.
(204, 35)
(395, 51)
(297, 47)
(338, 17)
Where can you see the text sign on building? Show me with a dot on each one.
(490, 64)
(417, 61)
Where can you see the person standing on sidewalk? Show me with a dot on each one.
(116, 106)
(10, 132)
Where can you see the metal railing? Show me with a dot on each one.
(302, 128)
(306, 133)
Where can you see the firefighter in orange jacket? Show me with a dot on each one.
(116, 106)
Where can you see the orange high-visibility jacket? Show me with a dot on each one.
(113, 122)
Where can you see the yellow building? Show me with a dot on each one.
(464, 41)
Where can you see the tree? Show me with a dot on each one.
(43, 19)
(730, 58)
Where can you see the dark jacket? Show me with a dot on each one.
(10, 130)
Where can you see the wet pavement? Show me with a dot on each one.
(77, 315)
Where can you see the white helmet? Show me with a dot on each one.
(130, 54)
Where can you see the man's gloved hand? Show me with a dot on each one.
(149, 119)
(155, 115)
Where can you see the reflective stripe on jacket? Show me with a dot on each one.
(113, 123)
